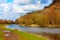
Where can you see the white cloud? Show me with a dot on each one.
(17, 9)
(6, 8)
(21, 1)
(14, 8)
(31, 7)
(2, 1)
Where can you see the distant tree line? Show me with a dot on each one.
(6, 21)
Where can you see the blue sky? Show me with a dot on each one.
(13, 9)
(10, 1)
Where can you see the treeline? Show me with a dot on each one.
(50, 16)
(6, 22)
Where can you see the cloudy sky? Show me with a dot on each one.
(13, 9)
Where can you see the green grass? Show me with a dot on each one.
(28, 36)
(1, 36)
(2, 26)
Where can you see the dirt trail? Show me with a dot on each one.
(11, 36)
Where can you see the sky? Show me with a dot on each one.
(13, 9)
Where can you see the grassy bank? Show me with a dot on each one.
(1, 36)
(27, 36)
(20, 34)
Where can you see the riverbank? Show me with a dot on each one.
(48, 35)
(7, 33)
(33, 25)
(19, 35)
(44, 26)
(24, 32)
